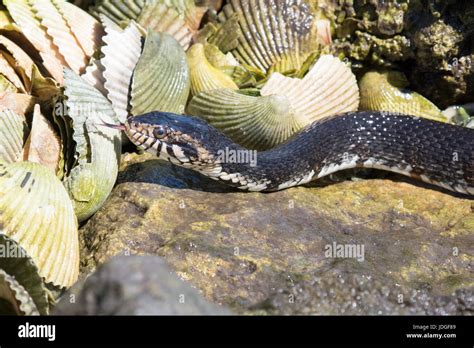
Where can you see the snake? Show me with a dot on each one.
(436, 153)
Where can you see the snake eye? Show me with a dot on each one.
(159, 132)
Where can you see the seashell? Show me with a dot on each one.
(279, 33)
(6, 85)
(7, 70)
(254, 122)
(161, 77)
(30, 293)
(86, 29)
(11, 138)
(24, 16)
(203, 75)
(97, 148)
(159, 17)
(43, 146)
(19, 103)
(385, 90)
(94, 75)
(36, 212)
(14, 294)
(179, 18)
(27, 74)
(20, 61)
(61, 34)
(119, 65)
(285, 104)
(329, 88)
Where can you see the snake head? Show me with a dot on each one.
(177, 138)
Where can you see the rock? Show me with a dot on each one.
(134, 285)
(242, 249)
(355, 295)
(429, 40)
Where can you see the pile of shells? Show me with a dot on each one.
(259, 71)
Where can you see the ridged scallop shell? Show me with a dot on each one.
(97, 147)
(329, 88)
(24, 16)
(179, 18)
(86, 29)
(254, 122)
(285, 104)
(386, 91)
(36, 212)
(16, 263)
(119, 64)
(6, 85)
(161, 77)
(14, 294)
(61, 34)
(280, 33)
(11, 136)
(203, 75)
(7, 70)
(43, 145)
(19, 103)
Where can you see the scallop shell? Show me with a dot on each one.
(386, 91)
(43, 146)
(11, 136)
(27, 74)
(16, 263)
(252, 121)
(203, 75)
(119, 64)
(7, 70)
(97, 148)
(161, 77)
(23, 15)
(86, 29)
(6, 85)
(280, 33)
(14, 294)
(36, 212)
(19, 103)
(285, 104)
(61, 34)
(329, 88)
(159, 17)
(179, 18)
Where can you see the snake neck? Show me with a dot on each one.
(434, 152)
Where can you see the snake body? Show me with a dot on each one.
(437, 153)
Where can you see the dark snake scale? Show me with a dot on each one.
(437, 153)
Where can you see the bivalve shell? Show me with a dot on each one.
(36, 212)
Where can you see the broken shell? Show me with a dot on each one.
(385, 90)
(36, 212)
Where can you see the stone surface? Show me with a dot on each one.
(135, 285)
(249, 250)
